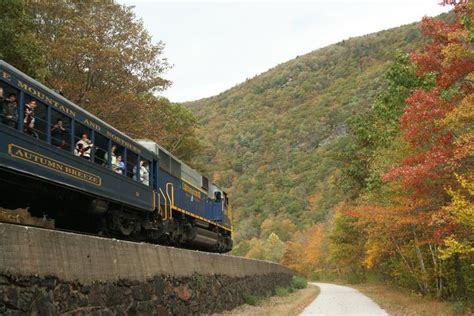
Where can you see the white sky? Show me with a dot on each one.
(215, 45)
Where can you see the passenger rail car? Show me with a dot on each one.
(66, 164)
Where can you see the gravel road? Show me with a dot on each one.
(342, 300)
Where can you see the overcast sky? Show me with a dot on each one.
(215, 45)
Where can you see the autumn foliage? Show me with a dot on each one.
(410, 220)
(98, 54)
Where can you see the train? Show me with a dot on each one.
(65, 164)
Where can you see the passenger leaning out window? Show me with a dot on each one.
(10, 111)
(144, 173)
(83, 147)
(29, 120)
(119, 166)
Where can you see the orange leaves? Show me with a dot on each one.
(305, 253)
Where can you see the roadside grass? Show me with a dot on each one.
(286, 301)
(399, 302)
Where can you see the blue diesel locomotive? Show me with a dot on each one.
(123, 188)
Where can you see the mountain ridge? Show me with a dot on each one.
(273, 140)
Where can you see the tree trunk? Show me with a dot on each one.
(460, 283)
(421, 262)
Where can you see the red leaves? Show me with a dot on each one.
(434, 150)
(434, 55)
(423, 109)
(420, 171)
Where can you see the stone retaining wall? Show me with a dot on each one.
(48, 272)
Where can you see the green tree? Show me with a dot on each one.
(20, 47)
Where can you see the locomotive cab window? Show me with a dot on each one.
(145, 173)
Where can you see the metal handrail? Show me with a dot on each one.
(171, 199)
(165, 215)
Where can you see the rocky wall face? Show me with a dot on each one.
(162, 295)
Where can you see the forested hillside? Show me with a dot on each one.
(274, 140)
(355, 161)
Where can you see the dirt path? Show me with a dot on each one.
(342, 300)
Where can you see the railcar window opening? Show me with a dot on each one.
(64, 132)
(83, 142)
(131, 165)
(101, 146)
(60, 130)
(35, 118)
(5, 95)
(118, 158)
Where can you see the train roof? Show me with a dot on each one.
(188, 173)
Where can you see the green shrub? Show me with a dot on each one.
(457, 307)
(250, 299)
(354, 278)
(291, 289)
(299, 282)
(281, 291)
(200, 281)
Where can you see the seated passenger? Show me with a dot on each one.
(29, 120)
(10, 111)
(58, 134)
(119, 166)
(83, 147)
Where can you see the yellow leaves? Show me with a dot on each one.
(373, 251)
(462, 202)
(452, 246)
(270, 249)
(461, 118)
(461, 209)
(456, 51)
(283, 227)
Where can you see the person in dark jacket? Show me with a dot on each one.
(59, 134)
(10, 111)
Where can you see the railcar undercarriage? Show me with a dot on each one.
(78, 211)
